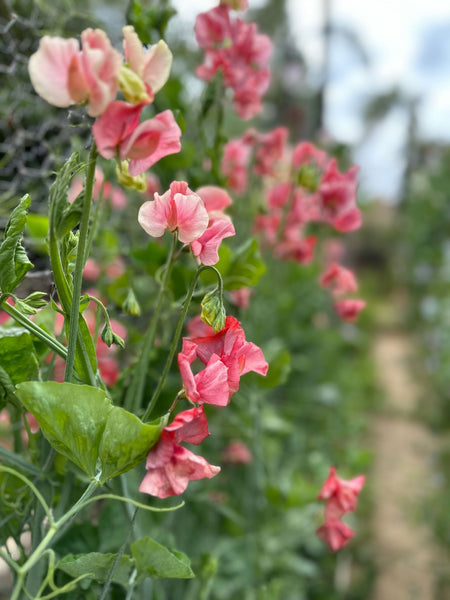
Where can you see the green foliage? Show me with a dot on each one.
(96, 566)
(17, 355)
(150, 22)
(14, 263)
(81, 423)
(154, 560)
(240, 267)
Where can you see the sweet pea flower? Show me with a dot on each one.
(178, 209)
(349, 309)
(63, 75)
(341, 494)
(337, 197)
(339, 279)
(237, 453)
(335, 533)
(170, 466)
(206, 247)
(234, 351)
(118, 132)
(234, 165)
(210, 385)
(151, 66)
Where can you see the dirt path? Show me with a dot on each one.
(402, 477)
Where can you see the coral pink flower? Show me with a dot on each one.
(210, 385)
(179, 209)
(306, 153)
(237, 453)
(63, 74)
(4, 317)
(236, 155)
(153, 65)
(349, 309)
(339, 279)
(170, 466)
(117, 132)
(337, 197)
(298, 249)
(341, 494)
(335, 533)
(233, 350)
(269, 150)
(215, 199)
(241, 297)
(91, 270)
(198, 328)
(206, 247)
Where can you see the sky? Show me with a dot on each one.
(408, 44)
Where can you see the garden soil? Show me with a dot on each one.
(404, 451)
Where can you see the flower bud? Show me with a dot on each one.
(110, 338)
(138, 182)
(308, 177)
(36, 299)
(213, 311)
(131, 305)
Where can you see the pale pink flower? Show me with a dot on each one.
(170, 466)
(237, 453)
(349, 309)
(298, 249)
(236, 156)
(339, 279)
(210, 385)
(241, 297)
(215, 199)
(179, 209)
(335, 533)
(63, 74)
(206, 247)
(234, 351)
(152, 65)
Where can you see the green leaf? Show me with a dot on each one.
(246, 268)
(17, 356)
(14, 263)
(154, 560)
(59, 192)
(97, 565)
(37, 229)
(81, 423)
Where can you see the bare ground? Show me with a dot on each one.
(403, 471)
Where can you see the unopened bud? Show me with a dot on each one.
(123, 176)
(131, 305)
(213, 311)
(36, 299)
(110, 338)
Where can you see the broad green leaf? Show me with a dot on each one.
(97, 566)
(17, 356)
(81, 423)
(37, 230)
(154, 560)
(246, 268)
(14, 263)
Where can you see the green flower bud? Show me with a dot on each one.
(124, 178)
(131, 305)
(213, 311)
(110, 338)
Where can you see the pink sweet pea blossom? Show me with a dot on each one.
(341, 494)
(118, 132)
(306, 153)
(206, 247)
(233, 350)
(237, 453)
(269, 150)
(339, 279)
(349, 309)
(337, 197)
(179, 209)
(236, 155)
(152, 66)
(210, 385)
(170, 466)
(335, 533)
(63, 74)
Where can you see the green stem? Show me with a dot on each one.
(40, 333)
(177, 336)
(133, 398)
(79, 265)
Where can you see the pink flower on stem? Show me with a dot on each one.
(179, 209)
(335, 533)
(118, 132)
(62, 74)
(337, 197)
(206, 247)
(241, 297)
(237, 453)
(210, 385)
(339, 279)
(170, 466)
(297, 248)
(269, 150)
(305, 153)
(236, 155)
(349, 309)
(233, 350)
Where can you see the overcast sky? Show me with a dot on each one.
(408, 43)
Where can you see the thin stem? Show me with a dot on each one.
(40, 333)
(177, 336)
(133, 398)
(33, 488)
(79, 265)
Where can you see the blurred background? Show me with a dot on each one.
(370, 82)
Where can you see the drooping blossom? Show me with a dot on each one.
(337, 197)
(341, 497)
(118, 132)
(210, 385)
(63, 75)
(339, 279)
(169, 465)
(179, 209)
(230, 345)
(239, 52)
(335, 533)
(349, 308)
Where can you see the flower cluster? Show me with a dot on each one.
(341, 497)
(63, 74)
(226, 356)
(342, 281)
(235, 49)
(197, 217)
